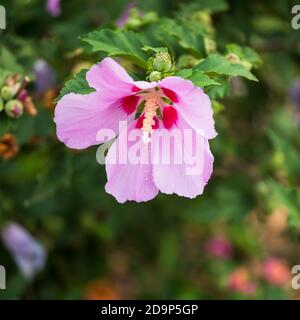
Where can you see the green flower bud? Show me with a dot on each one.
(133, 23)
(162, 62)
(134, 20)
(233, 58)
(14, 109)
(1, 104)
(155, 76)
(7, 93)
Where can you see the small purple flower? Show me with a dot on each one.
(53, 7)
(219, 248)
(45, 76)
(295, 93)
(29, 254)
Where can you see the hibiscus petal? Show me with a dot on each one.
(129, 103)
(130, 181)
(144, 85)
(188, 177)
(110, 77)
(170, 117)
(79, 117)
(192, 103)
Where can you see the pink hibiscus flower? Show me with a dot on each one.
(172, 103)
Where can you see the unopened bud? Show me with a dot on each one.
(23, 95)
(14, 109)
(7, 93)
(12, 80)
(133, 23)
(233, 58)
(162, 62)
(28, 104)
(155, 76)
(134, 19)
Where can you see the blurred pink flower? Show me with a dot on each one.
(28, 253)
(219, 248)
(53, 7)
(276, 271)
(239, 281)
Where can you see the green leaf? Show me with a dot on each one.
(187, 37)
(155, 50)
(124, 43)
(217, 106)
(218, 64)
(9, 62)
(3, 74)
(199, 78)
(77, 85)
(184, 73)
(220, 91)
(6, 124)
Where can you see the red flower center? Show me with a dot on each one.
(154, 106)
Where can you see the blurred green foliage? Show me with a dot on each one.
(99, 248)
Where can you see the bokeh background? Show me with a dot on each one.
(238, 240)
